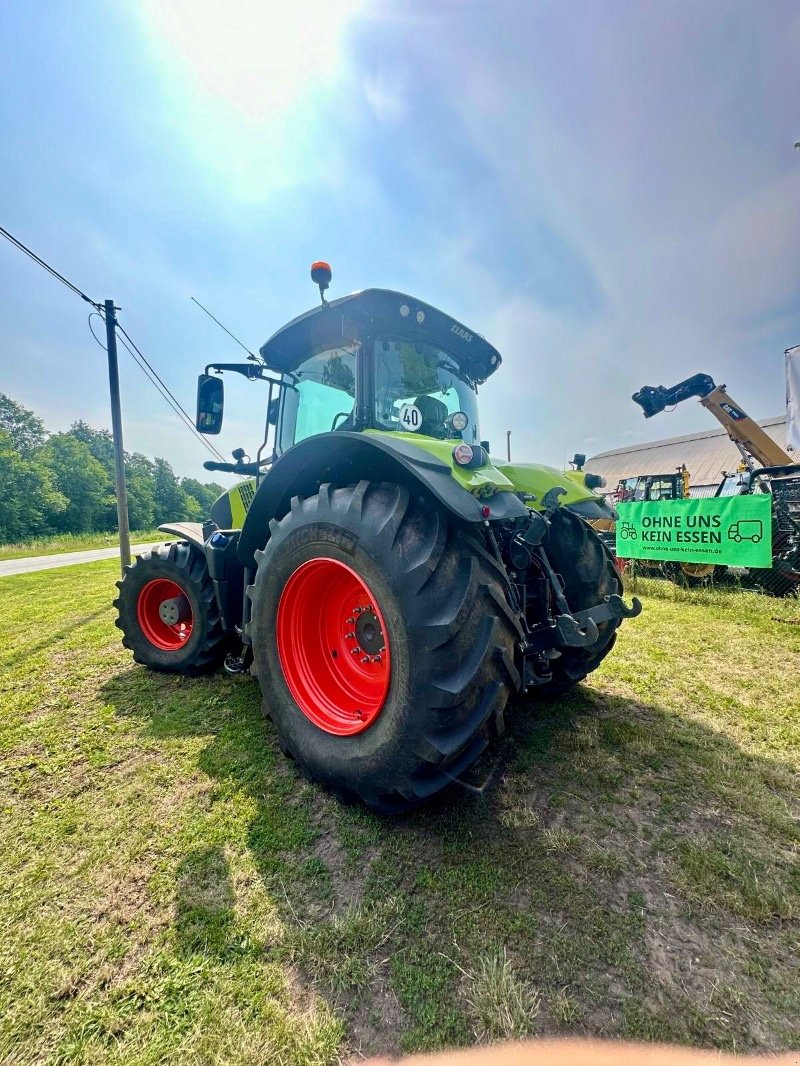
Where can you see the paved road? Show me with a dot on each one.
(49, 562)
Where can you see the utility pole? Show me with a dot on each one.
(508, 444)
(116, 429)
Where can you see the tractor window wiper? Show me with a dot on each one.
(462, 375)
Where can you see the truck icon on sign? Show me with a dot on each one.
(746, 529)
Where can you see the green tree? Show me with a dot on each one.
(139, 472)
(84, 481)
(67, 483)
(100, 442)
(204, 494)
(24, 429)
(170, 500)
(30, 500)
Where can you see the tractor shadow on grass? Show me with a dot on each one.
(53, 636)
(634, 863)
(204, 902)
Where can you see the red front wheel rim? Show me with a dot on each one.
(333, 647)
(165, 614)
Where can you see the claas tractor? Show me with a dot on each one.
(388, 582)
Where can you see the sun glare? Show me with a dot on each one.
(260, 59)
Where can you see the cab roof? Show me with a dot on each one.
(377, 311)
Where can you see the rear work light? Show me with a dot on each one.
(469, 455)
(594, 481)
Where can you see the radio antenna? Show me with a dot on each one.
(252, 355)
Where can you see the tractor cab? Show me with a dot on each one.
(647, 487)
(378, 360)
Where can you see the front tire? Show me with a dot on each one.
(414, 707)
(167, 611)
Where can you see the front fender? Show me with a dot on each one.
(342, 458)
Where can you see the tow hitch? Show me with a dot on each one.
(565, 628)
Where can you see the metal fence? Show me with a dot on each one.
(769, 582)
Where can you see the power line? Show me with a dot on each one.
(150, 372)
(46, 266)
(151, 375)
(186, 416)
(173, 403)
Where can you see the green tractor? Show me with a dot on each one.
(387, 581)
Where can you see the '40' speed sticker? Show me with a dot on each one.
(410, 418)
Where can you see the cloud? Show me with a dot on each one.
(656, 145)
(386, 97)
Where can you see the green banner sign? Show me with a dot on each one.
(729, 530)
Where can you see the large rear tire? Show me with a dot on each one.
(167, 611)
(588, 574)
(430, 627)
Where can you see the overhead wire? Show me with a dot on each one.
(127, 341)
(152, 376)
(176, 407)
(46, 266)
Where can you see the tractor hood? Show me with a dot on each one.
(536, 479)
(380, 311)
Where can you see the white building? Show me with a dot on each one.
(705, 455)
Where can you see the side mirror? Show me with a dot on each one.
(210, 403)
(272, 412)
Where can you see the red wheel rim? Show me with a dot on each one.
(165, 614)
(333, 647)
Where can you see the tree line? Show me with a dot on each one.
(64, 482)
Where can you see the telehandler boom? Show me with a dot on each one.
(757, 448)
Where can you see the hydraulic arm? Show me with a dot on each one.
(757, 447)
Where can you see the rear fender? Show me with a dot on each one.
(343, 458)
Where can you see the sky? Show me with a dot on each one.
(605, 189)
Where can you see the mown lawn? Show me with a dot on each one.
(172, 892)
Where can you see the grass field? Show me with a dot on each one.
(172, 892)
(75, 542)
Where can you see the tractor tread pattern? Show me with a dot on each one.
(182, 563)
(458, 626)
